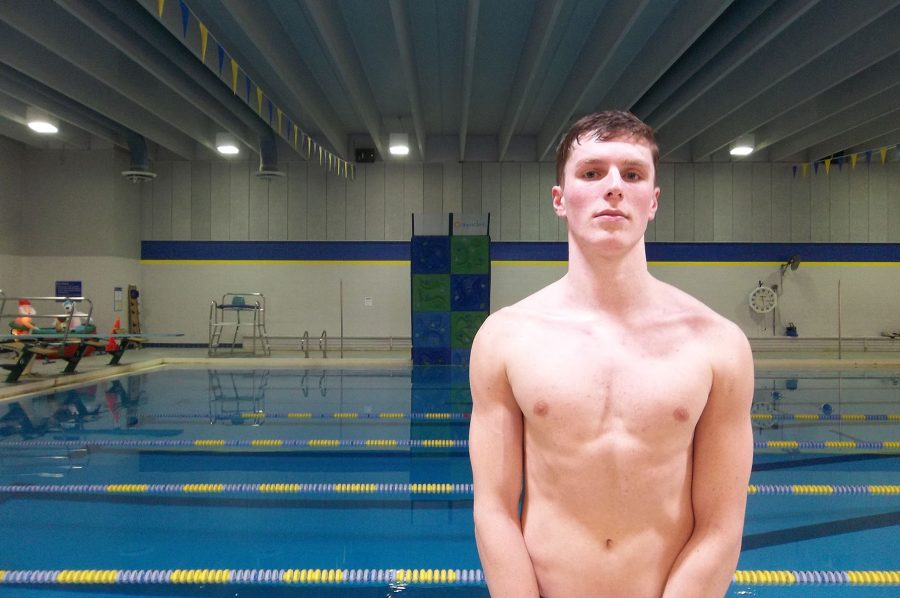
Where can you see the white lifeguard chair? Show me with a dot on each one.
(237, 310)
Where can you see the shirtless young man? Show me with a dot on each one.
(621, 403)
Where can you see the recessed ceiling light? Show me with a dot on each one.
(743, 146)
(226, 144)
(41, 122)
(398, 144)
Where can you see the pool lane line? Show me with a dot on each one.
(795, 446)
(266, 443)
(825, 418)
(467, 415)
(377, 577)
(367, 488)
(305, 416)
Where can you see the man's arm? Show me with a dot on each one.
(723, 456)
(495, 449)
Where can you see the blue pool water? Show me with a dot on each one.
(149, 435)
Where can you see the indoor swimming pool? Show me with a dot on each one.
(333, 482)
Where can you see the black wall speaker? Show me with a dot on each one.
(365, 155)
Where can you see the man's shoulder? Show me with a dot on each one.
(704, 321)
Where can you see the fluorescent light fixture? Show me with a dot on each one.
(743, 146)
(41, 122)
(227, 144)
(398, 144)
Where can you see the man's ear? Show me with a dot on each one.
(559, 201)
(654, 204)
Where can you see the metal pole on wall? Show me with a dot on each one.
(341, 300)
(839, 319)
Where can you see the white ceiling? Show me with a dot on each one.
(467, 79)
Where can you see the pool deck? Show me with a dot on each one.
(47, 376)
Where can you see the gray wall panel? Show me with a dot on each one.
(375, 188)
(684, 202)
(278, 216)
(413, 186)
(839, 195)
(258, 206)
(394, 226)
(220, 201)
(239, 201)
(761, 204)
(162, 202)
(510, 200)
(336, 212)
(665, 214)
(703, 202)
(858, 204)
(356, 206)
(316, 205)
(471, 190)
(490, 196)
(820, 207)
(181, 200)
(742, 202)
(452, 187)
(297, 194)
(531, 202)
(201, 195)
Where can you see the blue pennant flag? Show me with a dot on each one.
(185, 16)
(249, 85)
(221, 58)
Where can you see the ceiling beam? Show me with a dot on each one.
(400, 17)
(470, 39)
(34, 93)
(850, 92)
(13, 111)
(89, 52)
(852, 124)
(789, 51)
(259, 26)
(544, 25)
(144, 53)
(732, 38)
(811, 87)
(333, 31)
(664, 52)
(611, 29)
(32, 59)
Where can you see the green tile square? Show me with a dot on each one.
(470, 255)
(431, 292)
(463, 326)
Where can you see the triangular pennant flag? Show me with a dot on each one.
(296, 131)
(308, 147)
(248, 85)
(259, 97)
(805, 168)
(827, 165)
(185, 17)
(794, 171)
(320, 155)
(270, 111)
(853, 157)
(279, 120)
(840, 163)
(221, 51)
(234, 76)
(868, 156)
(883, 152)
(815, 168)
(160, 5)
(204, 37)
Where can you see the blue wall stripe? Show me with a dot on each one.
(514, 251)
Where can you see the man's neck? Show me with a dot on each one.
(608, 283)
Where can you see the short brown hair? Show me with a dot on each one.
(605, 126)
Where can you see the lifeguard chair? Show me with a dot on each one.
(237, 310)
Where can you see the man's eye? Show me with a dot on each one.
(632, 176)
(590, 174)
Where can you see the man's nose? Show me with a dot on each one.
(614, 190)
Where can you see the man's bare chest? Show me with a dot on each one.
(590, 385)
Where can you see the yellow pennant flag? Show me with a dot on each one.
(804, 167)
(883, 152)
(204, 37)
(329, 162)
(234, 75)
(279, 120)
(296, 131)
(320, 155)
(853, 159)
(161, 3)
(827, 165)
(259, 96)
(308, 147)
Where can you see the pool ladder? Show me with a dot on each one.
(323, 343)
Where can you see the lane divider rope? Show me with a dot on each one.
(309, 416)
(436, 488)
(439, 443)
(878, 445)
(205, 443)
(824, 417)
(362, 577)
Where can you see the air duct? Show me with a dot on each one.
(139, 169)
(268, 157)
